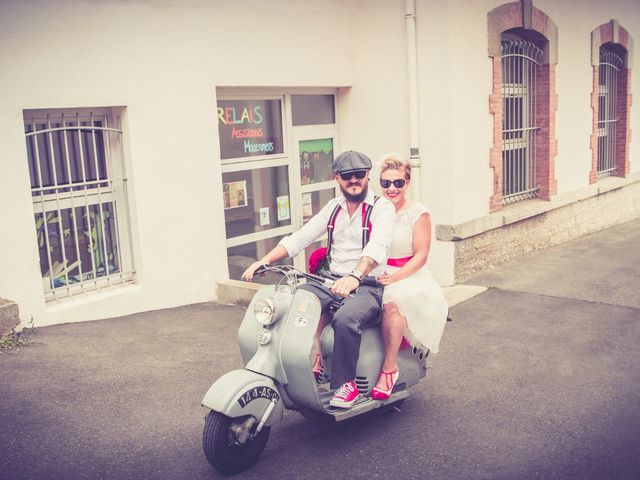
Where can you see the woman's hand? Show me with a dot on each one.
(385, 279)
(248, 273)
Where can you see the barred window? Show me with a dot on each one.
(520, 59)
(78, 187)
(608, 115)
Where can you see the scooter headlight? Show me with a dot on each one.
(265, 311)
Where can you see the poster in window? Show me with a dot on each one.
(250, 128)
(316, 159)
(234, 194)
(283, 207)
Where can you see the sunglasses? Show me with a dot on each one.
(359, 174)
(398, 183)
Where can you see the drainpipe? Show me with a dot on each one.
(412, 71)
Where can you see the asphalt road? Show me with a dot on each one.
(538, 377)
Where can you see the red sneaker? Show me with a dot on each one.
(345, 396)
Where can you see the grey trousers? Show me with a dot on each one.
(357, 311)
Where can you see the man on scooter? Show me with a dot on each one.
(358, 253)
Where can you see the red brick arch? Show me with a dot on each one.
(612, 32)
(523, 14)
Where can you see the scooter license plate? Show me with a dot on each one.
(256, 393)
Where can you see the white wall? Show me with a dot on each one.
(162, 61)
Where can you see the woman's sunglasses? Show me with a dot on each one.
(359, 174)
(398, 183)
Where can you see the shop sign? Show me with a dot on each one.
(249, 128)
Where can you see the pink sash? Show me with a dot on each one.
(398, 262)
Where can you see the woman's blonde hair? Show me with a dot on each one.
(394, 161)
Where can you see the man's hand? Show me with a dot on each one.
(248, 273)
(345, 285)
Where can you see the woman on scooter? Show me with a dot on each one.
(414, 306)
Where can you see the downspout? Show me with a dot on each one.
(412, 73)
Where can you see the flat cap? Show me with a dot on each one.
(351, 161)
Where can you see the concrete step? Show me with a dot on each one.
(9, 316)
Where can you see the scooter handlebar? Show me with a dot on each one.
(288, 270)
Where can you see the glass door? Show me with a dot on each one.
(315, 183)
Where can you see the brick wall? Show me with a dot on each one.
(623, 133)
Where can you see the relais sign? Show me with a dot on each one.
(249, 128)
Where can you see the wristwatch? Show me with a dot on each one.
(357, 275)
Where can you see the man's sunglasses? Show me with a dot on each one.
(359, 174)
(398, 183)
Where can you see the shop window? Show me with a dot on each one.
(240, 257)
(313, 109)
(78, 187)
(256, 200)
(270, 188)
(250, 128)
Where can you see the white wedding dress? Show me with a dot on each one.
(419, 297)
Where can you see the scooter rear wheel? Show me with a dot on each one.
(221, 449)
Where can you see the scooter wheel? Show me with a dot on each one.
(221, 449)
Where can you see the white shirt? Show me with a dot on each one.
(347, 250)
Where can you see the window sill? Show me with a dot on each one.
(81, 299)
(530, 208)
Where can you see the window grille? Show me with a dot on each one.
(610, 65)
(78, 187)
(520, 60)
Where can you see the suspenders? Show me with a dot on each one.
(366, 225)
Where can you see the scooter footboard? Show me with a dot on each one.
(241, 392)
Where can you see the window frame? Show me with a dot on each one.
(107, 192)
(291, 135)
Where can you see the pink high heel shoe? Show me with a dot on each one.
(390, 379)
(317, 367)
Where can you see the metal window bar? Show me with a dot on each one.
(520, 60)
(76, 202)
(610, 65)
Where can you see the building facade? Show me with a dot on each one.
(153, 149)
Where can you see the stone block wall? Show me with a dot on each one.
(9, 316)
(546, 229)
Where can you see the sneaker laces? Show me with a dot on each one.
(344, 391)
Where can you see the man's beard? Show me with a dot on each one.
(355, 198)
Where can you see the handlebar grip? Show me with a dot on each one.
(262, 269)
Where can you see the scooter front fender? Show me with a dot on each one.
(239, 393)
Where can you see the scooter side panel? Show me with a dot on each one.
(240, 392)
(296, 347)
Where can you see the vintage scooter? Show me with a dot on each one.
(276, 341)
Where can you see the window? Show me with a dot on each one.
(610, 65)
(610, 101)
(313, 109)
(78, 187)
(272, 186)
(520, 59)
(523, 47)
